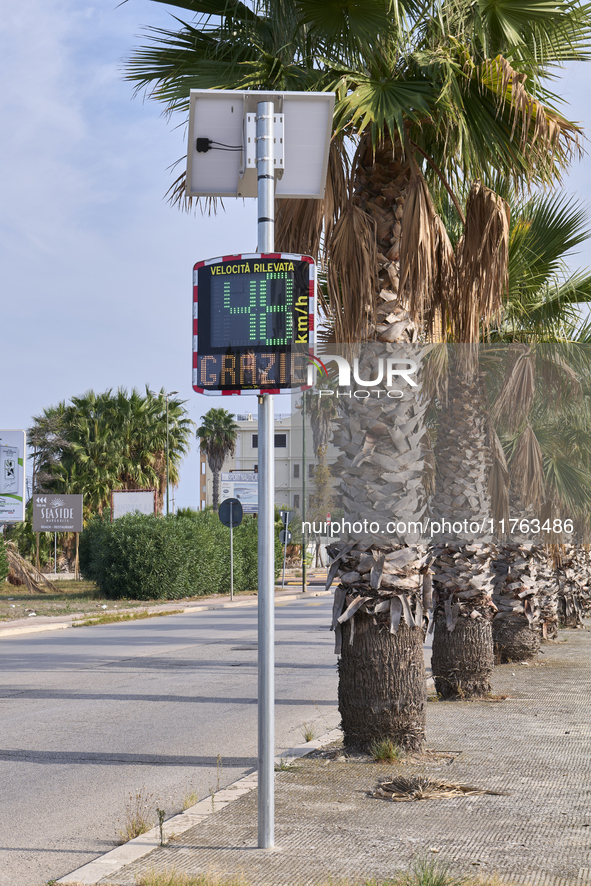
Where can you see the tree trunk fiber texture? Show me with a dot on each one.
(572, 565)
(463, 551)
(382, 690)
(525, 597)
(379, 638)
(514, 639)
(462, 659)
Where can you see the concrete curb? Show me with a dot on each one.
(108, 864)
(34, 629)
(7, 631)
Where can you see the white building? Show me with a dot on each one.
(289, 462)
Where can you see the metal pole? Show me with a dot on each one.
(304, 537)
(284, 558)
(54, 553)
(167, 455)
(266, 486)
(231, 555)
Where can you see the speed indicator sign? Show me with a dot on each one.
(253, 323)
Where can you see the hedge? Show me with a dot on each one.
(3, 563)
(149, 558)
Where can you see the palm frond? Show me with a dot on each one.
(527, 469)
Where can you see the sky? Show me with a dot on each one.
(95, 265)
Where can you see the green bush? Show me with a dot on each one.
(3, 563)
(148, 558)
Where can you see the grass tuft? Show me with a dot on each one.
(172, 878)
(137, 820)
(285, 766)
(383, 750)
(308, 732)
(189, 800)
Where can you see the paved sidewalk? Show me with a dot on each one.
(534, 746)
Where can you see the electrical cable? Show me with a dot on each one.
(207, 144)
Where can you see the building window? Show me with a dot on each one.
(202, 467)
(296, 501)
(296, 471)
(280, 441)
(311, 470)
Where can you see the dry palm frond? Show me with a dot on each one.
(527, 469)
(482, 261)
(559, 377)
(436, 373)
(419, 787)
(544, 132)
(516, 397)
(302, 225)
(498, 486)
(27, 574)
(418, 249)
(352, 276)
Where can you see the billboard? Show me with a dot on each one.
(57, 513)
(132, 501)
(243, 485)
(12, 476)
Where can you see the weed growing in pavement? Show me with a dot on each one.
(383, 750)
(308, 732)
(161, 815)
(190, 800)
(219, 769)
(422, 873)
(429, 872)
(172, 878)
(285, 766)
(137, 820)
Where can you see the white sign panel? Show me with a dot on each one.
(221, 142)
(57, 513)
(12, 476)
(243, 485)
(128, 502)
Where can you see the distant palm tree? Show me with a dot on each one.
(217, 438)
(98, 443)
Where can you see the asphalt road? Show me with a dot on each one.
(92, 716)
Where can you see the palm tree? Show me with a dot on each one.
(217, 439)
(540, 307)
(429, 96)
(99, 443)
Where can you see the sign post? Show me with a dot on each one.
(266, 544)
(230, 514)
(57, 513)
(291, 135)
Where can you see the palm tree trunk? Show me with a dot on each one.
(381, 670)
(381, 684)
(462, 659)
(216, 489)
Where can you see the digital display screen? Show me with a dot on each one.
(253, 327)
